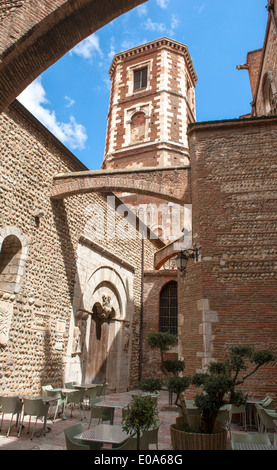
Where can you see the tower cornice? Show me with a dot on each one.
(161, 43)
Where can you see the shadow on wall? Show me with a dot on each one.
(54, 344)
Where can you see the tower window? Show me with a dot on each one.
(140, 78)
(169, 308)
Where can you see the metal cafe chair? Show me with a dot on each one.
(60, 400)
(11, 405)
(76, 398)
(90, 394)
(101, 413)
(266, 419)
(70, 384)
(151, 434)
(71, 443)
(241, 410)
(36, 408)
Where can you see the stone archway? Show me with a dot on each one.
(107, 352)
(32, 38)
(168, 183)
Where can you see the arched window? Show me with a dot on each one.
(169, 308)
(138, 128)
(268, 93)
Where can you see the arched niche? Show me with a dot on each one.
(269, 94)
(108, 329)
(138, 128)
(13, 253)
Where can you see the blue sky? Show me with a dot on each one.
(71, 98)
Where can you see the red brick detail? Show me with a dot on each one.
(171, 184)
(165, 253)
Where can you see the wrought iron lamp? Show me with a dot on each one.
(182, 259)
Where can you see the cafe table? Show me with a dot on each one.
(111, 402)
(84, 385)
(246, 446)
(104, 434)
(65, 391)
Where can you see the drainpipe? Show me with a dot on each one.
(141, 309)
(270, 9)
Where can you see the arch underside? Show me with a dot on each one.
(171, 184)
(32, 39)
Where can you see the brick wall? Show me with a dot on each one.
(154, 281)
(229, 296)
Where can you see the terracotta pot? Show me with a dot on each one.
(182, 440)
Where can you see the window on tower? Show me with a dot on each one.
(140, 78)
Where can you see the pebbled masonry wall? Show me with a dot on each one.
(40, 310)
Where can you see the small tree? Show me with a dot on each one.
(179, 385)
(163, 342)
(220, 382)
(140, 415)
(151, 385)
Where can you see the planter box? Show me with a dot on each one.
(182, 440)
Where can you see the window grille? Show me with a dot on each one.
(140, 78)
(169, 308)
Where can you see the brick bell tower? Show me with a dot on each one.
(152, 101)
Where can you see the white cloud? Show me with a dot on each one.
(142, 10)
(174, 22)
(151, 26)
(88, 47)
(70, 133)
(163, 3)
(70, 101)
(112, 52)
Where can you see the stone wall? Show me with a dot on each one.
(39, 312)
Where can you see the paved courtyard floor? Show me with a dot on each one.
(55, 440)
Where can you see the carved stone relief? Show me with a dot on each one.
(79, 332)
(6, 313)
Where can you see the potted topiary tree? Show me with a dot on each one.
(151, 385)
(140, 415)
(219, 387)
(162, 341)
